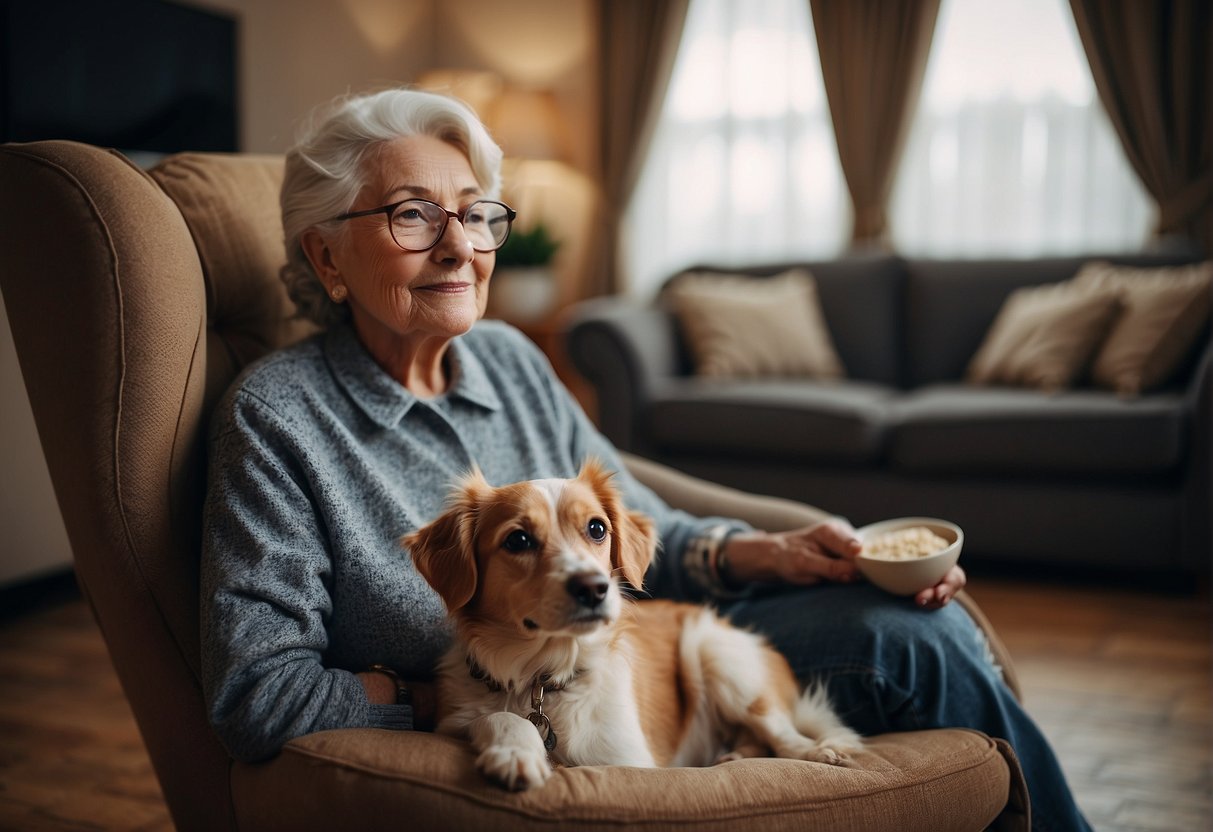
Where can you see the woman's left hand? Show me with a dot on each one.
(825, 551)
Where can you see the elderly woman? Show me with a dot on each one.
(324, 454)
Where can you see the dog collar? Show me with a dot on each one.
(542, 682)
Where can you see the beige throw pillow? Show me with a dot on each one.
(1044, 336)
(1165, 311)
(747, 327)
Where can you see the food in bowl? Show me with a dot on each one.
(902, 564)
(904, 544)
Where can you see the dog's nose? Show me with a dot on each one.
(588, 588)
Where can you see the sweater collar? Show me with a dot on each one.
(385, 400)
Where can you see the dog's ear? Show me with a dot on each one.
(634, 536)
(444, 551)
(632, 545)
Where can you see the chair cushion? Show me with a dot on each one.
(741, 326)
(928, 780)
(819, 421)
(957, 428)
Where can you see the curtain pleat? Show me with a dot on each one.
(1153, 70)
(873, 58)
(638, 41)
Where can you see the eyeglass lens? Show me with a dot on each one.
(418, 224)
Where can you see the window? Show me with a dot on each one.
(1011, 152)
(742, 166)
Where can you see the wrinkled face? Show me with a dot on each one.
(394, 293)
(538, 557)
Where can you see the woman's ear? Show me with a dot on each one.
(320, 254)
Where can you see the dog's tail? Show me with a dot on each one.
(815, 717)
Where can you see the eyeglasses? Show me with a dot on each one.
(418, 224)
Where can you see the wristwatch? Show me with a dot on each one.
(404, 696)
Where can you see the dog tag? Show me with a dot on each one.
(544, 726)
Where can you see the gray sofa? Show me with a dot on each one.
(1083, 478)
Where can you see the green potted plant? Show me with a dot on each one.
(524, 286)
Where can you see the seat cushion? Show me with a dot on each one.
(355, 779)
(956, 428)
(834, 422)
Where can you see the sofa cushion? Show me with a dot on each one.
(820, 421)
(956, 428)
(745, 326)
(1045, 336)
(1165, 311)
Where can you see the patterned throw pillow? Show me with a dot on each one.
(1044, 336)
(1165, 311)
(740, 326)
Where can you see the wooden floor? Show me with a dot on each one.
(1119, 680)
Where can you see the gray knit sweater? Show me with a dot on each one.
(319, 462)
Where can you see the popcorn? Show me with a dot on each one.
(904, 544)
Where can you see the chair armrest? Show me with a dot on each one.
(624, 349)
(708, 499)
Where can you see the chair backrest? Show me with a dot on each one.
(134, 300)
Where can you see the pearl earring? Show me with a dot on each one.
(338, 293)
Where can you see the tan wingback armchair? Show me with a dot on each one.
(134, 299)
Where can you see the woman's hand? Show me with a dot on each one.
(822, 552)
(381, 690)
(936, 596)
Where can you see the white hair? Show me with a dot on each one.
(326, 170)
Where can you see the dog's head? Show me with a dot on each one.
(541, 556)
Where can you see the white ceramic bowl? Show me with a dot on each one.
(909, 577)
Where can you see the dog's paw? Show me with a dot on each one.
(803, 748)
(515, 768)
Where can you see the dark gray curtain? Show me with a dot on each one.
(873, 57)
(638, 40)
(1153, 69)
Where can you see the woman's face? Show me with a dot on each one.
(397, 295)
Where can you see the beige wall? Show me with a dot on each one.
(298, 54)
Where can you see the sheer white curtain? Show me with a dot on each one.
(743, 167)
(1011, 152)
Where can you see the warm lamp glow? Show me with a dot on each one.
(477, 88)
(383, 23)
(528, 125)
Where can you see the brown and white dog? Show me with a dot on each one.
(553, 664)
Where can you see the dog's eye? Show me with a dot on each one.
(597, 529)
(519, 541)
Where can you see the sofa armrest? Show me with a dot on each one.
(1198, 522)
(623, 348)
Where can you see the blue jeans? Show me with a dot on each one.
(890, 666)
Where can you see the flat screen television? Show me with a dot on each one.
(142, 76)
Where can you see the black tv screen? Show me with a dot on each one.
(137, 75)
